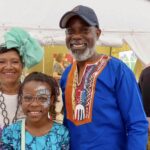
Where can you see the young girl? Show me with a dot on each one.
(37, 95)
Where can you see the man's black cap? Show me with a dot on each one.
(84, 12)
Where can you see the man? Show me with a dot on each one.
(103, 109)
(144, 83)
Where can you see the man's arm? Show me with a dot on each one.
(130, 105)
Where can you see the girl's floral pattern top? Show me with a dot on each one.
(56, 139)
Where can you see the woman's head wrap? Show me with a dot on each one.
(29, 49)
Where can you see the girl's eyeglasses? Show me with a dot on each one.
(40, 98)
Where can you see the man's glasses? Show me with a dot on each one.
(39, 98)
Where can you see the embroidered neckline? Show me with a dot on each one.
(79, 97)
(87, 64)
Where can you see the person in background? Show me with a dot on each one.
(37, 94)
(103, 108)
(19, 50)
(144, 84)
(58, 67)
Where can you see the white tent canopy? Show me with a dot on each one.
(120, 20)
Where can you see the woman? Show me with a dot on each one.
(18, 51)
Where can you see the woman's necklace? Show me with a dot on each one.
(3, 108)
(6, 120)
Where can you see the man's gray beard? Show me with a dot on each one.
(88, 53)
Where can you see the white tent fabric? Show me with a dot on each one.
(120, 20)
(140, 44)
